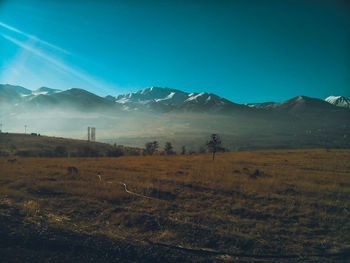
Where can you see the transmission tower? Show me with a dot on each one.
(93, 134)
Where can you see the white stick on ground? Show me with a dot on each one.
(133, 193)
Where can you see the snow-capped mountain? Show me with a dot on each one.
(154, 94)
(150, 98)
(165, 99)
(32, 96)
(12, 94)
(45, 91)
(154, 99)
(298, 122)
(339, 101)
(262, 105)
(47, 98)
(160, 100)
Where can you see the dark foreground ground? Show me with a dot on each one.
(268, 206)
(26, 243)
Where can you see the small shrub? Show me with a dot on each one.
(60, 151)
(26, 153)
(72, 170)
(133, 152)
(31, 208)
(115, 152)
(88, 152)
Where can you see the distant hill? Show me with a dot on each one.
(297, 104)
(34, 145)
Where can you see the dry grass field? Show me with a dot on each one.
(263, 206)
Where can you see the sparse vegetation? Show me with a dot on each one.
(183, 150)
(88, 151)
(115, 152)
(168, 148)
(151, 147)
(60, 151)
(214, 144)
(31, 208)
(290, 205)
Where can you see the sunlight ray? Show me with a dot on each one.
(55, 62)
(32, 37)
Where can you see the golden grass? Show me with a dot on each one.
(282, 202)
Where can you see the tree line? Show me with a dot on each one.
(213, 145)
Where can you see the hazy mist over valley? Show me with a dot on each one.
(164, 114)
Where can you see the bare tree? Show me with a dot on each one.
(214, 144)
(183, 150)
(168, 149)
(151, 147)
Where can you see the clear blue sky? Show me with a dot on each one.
(243, 50)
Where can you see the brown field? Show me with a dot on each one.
(263, 206)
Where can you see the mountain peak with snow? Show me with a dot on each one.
(339, 101)
(45, 91)
(165, 99)
(161, 100)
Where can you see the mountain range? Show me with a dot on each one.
(156, 99)
(183, 118)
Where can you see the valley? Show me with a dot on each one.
(184, 119)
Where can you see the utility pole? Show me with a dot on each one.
(25, 129)
(0, 127)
